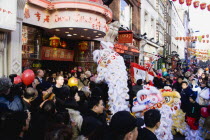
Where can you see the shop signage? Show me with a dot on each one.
(8, 9)
(64, 18)
(125, 37)
(49, 53)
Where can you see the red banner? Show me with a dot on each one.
(49, 53)
(125, 37)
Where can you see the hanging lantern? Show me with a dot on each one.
(184, 38)
(54, 41)
(196, 37)
(177, 38)
(181, 1)
(192, 37)
(208, 7)
(203, 36)
(63, 44)
(204, 41)
(196, 4)
(180, 38)
(207, 36)
(203, 6)
(83, 46)
(207, 41)
(188, 2)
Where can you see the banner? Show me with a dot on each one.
(49, 53)
(125, 37)
(139, 72)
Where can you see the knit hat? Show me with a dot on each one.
(123, 122)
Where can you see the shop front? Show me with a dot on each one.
(61, 35)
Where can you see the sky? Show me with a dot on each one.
(199, 21)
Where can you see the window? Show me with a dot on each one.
(125, 14)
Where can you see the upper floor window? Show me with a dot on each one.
(125, 14)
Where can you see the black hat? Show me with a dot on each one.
(123, 122)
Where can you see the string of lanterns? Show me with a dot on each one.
(196, 4)
(194, 38)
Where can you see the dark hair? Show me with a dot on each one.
(30, 93)
(57, 77)
(82, 96)
(11, 124)
(184, 82)
(181, 77)
(94, 101)
(48, 107)
(73, 91)
(59, 132)
(152, 117)
(139, 82)
(62, 118)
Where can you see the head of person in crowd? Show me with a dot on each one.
(87, 74)
(53, 75)
(80, 97)
(40, 73)
(12, 124)
(30, 94)
(187, 74)
(199, 72)
(203, 84)
(59, 132)
(171, 77)
(184, 85)
(75, 69)
(180, 79)
(96, 105)
(204, 76)
(73, 91)
(5, 85)
(69, 75)
(139, 82)
(61, 73)
(152, 119)
(82, 76)
(63, 118)
(79, 69)
(168, 82)
(124, 126)
(59, 81)
(74, 74)
(194, 81)
(48, 107)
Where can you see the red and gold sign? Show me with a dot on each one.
(54, 41)
(83, 46)
(196, 4)
(203, 6)
(63, 44)
(188, 2)
(125, 37)
(181, 1)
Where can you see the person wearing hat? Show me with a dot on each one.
(123, 126)
(152, 123)
(193, 113)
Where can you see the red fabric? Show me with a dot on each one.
(192, 122)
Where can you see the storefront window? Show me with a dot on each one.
(31, 41)
(125, 14)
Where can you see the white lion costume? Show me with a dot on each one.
(111, 68)
(150, 98)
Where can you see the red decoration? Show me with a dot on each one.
(125, 37)
(196, 4)
(28, 77)
(63, 44)
(177, 38)
(174, 0)
(207, 41)
(54, 41)
(184, 38)
(180, 38)
(17, 80)
(196, 37)
(188, 2)
(203, 41)
(207, 36)
(181, 1)
(208, 7)
(203, 6)
(203, 36)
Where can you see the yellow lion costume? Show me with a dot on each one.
(172, 99)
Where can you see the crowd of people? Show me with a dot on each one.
(51, 109)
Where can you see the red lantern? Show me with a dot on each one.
(177, 38)
(188, 2)
(54, 41)
(207, 36)
(203, 41)
(180, 38)
(181, 1)
(184, 38)
(196, 4)
(203, 36)
(208, 7)
(203, 6)
(63, 44)
(207, 41)
(83, 46)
